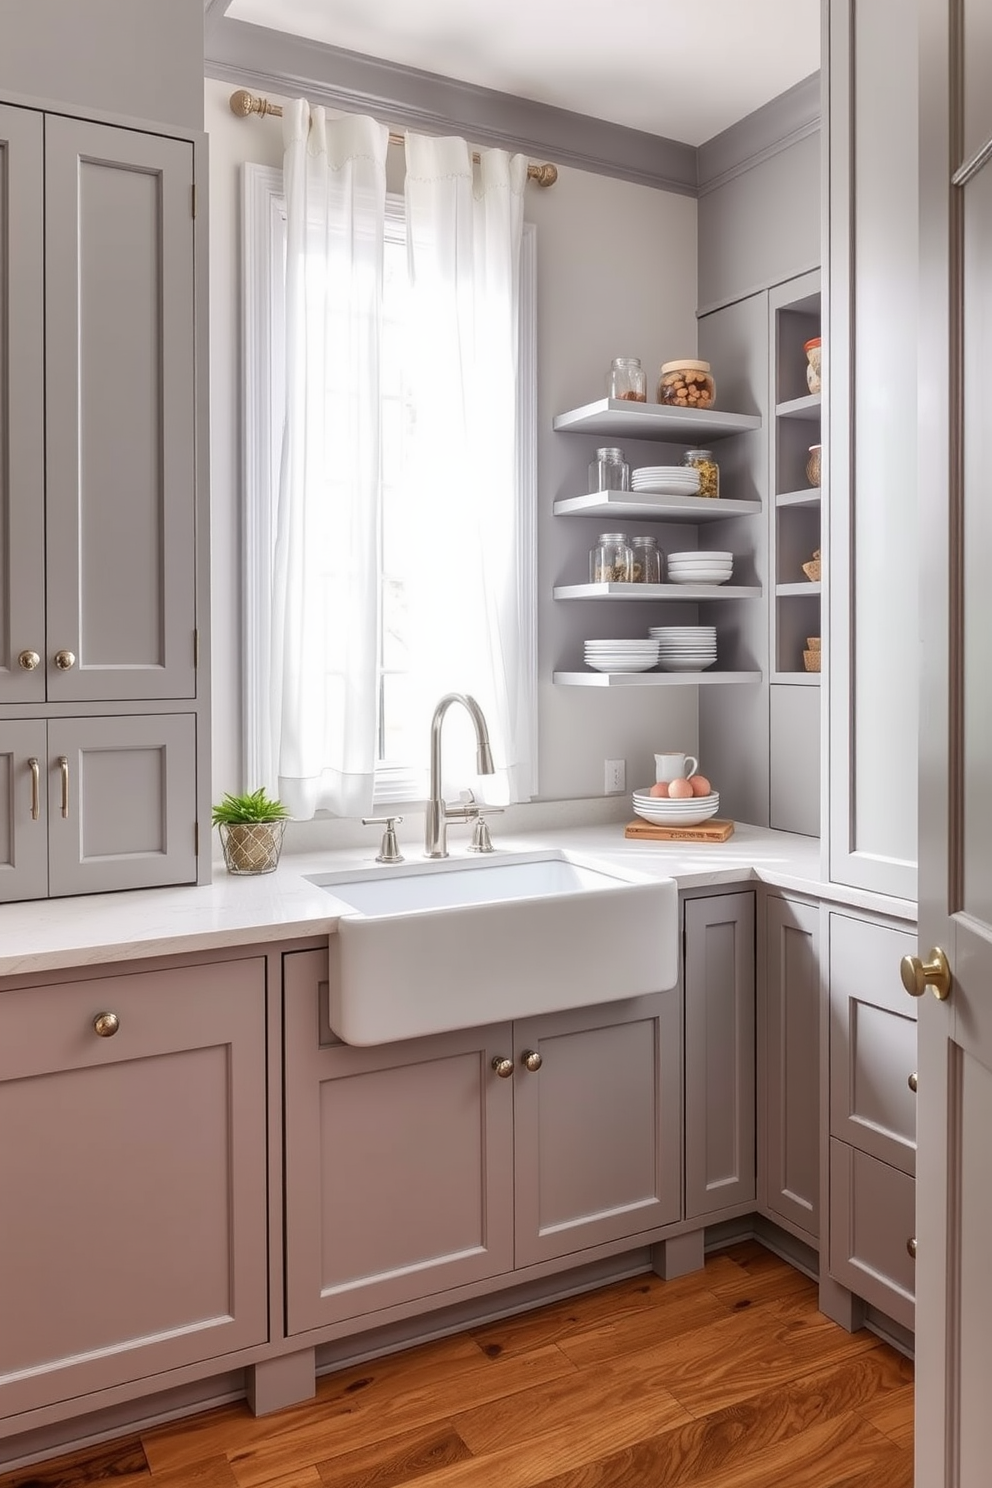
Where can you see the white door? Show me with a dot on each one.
(954, 1197)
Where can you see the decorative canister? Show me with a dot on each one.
(687, 384)
(813, 465)
(813, 353)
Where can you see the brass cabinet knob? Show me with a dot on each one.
(106, 1024)
(918, 975)
(911, 1247)
(29, 660)
(503, 1067)
(65, 660)
(533, 1060)
(913, 1082)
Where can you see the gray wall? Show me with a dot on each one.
(142, 58)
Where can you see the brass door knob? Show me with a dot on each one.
(533, 1060)
(106, 1024)
(29, 660)
(911, 1247)
(913, 1082)
(65, 660)
(503, 1067)
(918, 975)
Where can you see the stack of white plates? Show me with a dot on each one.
(666, 813)
(638, 655)
(700, 568)
(666, 480)
(685, 648)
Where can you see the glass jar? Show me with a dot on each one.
(611, 561)
(627, 380)
(647, 560)
(609, 471)
(686, 384)
(709, 471)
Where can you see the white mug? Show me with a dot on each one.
(674, 766)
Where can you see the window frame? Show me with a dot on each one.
(263, 235)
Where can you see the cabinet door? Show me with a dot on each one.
(719, 1053)
(872, 1040)
(788, 1053)
(120, 385)
(121, 802)
(872, 1221)
(398, 1161)
(597, 1125)
(22, 405)
(23, 812)
(133, 1178)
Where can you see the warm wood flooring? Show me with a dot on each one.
(729, 1378)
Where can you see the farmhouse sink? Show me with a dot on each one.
(428, 947)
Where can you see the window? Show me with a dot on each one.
(405, 533)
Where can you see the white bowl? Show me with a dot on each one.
(662, 813)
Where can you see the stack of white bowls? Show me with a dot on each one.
(666, 480)
(667, 813)
(685, 648)
(700, 568)
(637, 655)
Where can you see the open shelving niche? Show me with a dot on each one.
(695, 428)
(796, 526)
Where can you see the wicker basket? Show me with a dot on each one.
(252, 847)
(812, 568)
(811, 660)
(813, 642)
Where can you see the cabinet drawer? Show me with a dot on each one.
(872, 1040)
(872, 1218)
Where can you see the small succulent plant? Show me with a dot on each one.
(254, 806)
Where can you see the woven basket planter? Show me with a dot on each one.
(251, 847)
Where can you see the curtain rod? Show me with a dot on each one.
(244, 104)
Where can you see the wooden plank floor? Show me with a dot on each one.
(729, 1378)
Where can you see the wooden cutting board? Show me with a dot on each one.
(714, 830)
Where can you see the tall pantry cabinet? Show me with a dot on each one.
(102, 710)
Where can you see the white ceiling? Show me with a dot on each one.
(685, 69)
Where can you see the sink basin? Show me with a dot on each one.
(427, 947)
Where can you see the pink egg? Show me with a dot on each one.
(700, 785)
(680, 789)
(660, 789)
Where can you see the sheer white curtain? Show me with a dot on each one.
(324, 651)
(468, 627)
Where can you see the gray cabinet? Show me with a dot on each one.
(718, 973)
(575, 1145)
(88, 804)
(134, 1192)
(98, 491)
(872, 1149)
(788, 1058)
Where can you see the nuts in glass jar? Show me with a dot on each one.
(709, 471)
(686, 385)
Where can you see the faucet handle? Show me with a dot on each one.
(482, 842)
(389, 851)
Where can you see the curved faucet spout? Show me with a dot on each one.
(438, 814)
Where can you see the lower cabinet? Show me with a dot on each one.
(417, 1167)
(132, 1178)
(872, 1112)
(788, 1057)
(718, 976)
(93, 804)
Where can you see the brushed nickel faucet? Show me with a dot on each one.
(439, 813)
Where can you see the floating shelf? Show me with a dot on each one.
(651, 679)
(810, 497)
(658, 591)
(796, 679)
(786, 591)
(619, 419)
(800, 408)
(641, 506)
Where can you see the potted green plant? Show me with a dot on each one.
(251, 829)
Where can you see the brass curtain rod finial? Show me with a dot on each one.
(244, 104)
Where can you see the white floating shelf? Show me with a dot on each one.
(658, 591)
(787, 591)
(800, 408)
(809, 497)
(642, 506)
(620, 419)
(651, 679)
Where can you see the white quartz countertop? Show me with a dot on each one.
(53, 934)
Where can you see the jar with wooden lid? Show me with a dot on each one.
(687, 384)
(709, 470)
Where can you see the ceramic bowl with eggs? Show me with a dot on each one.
(677, 803)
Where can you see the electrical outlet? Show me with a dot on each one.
(616, 777)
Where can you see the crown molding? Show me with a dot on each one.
(782, 122)
(269, 61)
